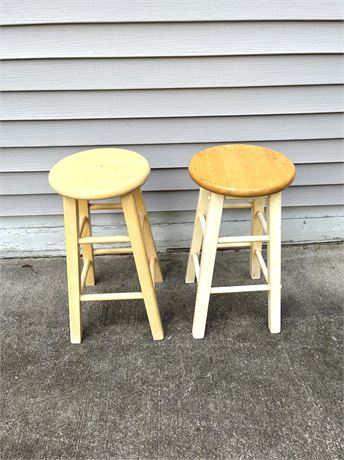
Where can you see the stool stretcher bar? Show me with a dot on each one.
(84, 272)
(201, 221)
(262, 264)
(242, 239)
(111, 296)
(234, 245)
(196, 264)
(83, 222)
(152, 260)
(226, 289)
(237, 205)
(104, 239)
(108, 251)
(262, 222)
(97, 206)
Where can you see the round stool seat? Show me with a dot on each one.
(99, 173)
(241, 170)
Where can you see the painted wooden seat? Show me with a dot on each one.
(100, 174)
(241, 170)
(226, 173)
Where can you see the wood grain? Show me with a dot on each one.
(99, 173)
(241, 170)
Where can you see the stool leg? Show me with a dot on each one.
(274, 263)
(212, 229)
(147, 235)
(73, 267)
(197, 236)
(87, 249)
(256, 229)
(142, 265)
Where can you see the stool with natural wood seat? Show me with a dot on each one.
(96, 175)
(228, 172)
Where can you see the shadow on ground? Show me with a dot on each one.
(239, 393)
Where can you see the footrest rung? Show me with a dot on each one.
(226, 289)
(104, 239)
(233, 245)
(108, 251)
(242, 239)
(111, 296)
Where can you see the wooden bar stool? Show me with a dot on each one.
(228, 172)
(96, 175)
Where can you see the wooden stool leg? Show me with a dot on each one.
(209, 247)
(87, 249)
(274, 263)
(197, 236)
(256, 229)
(147, 235)
(73, 267)
(142, 265)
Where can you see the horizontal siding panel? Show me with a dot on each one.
(170, 103)
(166, 179)
(151, 73)
(168, 155)
(172, 39)
(170, 130)
(65, 11)
(21, 205)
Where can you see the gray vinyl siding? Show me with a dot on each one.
(168, 79)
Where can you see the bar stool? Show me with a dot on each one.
(96, 175)
(228, 172)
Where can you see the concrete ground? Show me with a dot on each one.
(241, 393)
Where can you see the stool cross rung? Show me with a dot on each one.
(242, 239)
(98, 206)
(201, 221)
(84, 272)
(108, 251)
(262, 264)
(111, 296)
(196, 264)
(152, 260)
(262, 222)
(237, 205)
(83, 222)
(245, 288)
(104, 239)
(234, 245)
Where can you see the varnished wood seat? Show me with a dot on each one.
(99, 173)
(241, 170)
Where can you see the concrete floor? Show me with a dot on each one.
(241, 393)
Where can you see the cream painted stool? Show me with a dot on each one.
(228, 172)
(96, 175)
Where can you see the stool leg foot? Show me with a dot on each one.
(142, 265)
(87, 249)
(197, 236)
(256, 229)
(212, 229)
(147, 235)
(274, 263)
(73, 267)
